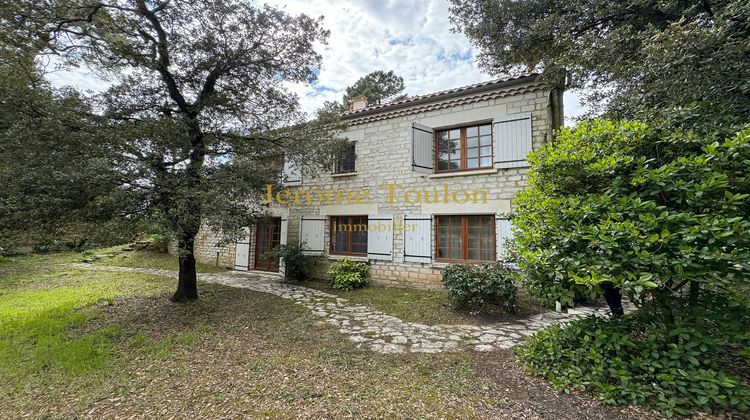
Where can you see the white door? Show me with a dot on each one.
(242, 251)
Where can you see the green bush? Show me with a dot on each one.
(636, 360)
(654, 214)
(347, 274)
(297, 265)
(472, 285)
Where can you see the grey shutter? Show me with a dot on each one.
(380, 237)
(504, 234)
(422, 148)
(242, 251)
(282, 241)
(292, 174)
(418, 238)
(312, 231)
(512, 140)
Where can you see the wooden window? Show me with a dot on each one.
(465, 148)
(345, 160)
(349, 235)
(465, 238)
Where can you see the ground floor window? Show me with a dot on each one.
(349, 235)
(465, 238)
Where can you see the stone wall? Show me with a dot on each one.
(208, 247)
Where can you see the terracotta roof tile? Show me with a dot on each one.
(434, 95)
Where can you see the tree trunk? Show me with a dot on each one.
(614, 299)
(187, 282)
(188, 221)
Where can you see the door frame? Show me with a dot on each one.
(274, 223)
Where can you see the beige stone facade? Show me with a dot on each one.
(384, 155)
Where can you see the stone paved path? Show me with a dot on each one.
(380, 332)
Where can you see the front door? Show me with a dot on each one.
(267, 236)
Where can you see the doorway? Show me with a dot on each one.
(267, 236)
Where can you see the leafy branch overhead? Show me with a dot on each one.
(680, 63)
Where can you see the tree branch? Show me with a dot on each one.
(163, 61)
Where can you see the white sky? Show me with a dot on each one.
(412, 38)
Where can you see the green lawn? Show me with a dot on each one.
(79, 343)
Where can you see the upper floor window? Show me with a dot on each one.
(465, 148)
(345, 160)
(349, 235)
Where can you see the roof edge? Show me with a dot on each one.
(448, 95)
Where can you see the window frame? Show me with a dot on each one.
(465, 239)
(463, 167)
(342, 157)
(331, 233)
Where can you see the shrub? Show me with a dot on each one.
(653, 214)
(471, 285)
(297, 265)
(347, 274)
(636, 360)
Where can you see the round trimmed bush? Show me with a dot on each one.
(472, 285)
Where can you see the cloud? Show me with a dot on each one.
(414, 39)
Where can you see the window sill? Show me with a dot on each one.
(336, 257)
(344, 175)
(463, 173)
(472, 262)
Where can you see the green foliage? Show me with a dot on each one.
(347, 274)
(636, 360)
(297, 265)
(472, 285)
(60, 185)
(683, 63)
(376, 86)
(651, 213)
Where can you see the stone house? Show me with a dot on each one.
(426, 181)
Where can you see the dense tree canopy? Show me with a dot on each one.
(378, 86)
(198, 112)
(683, 62)
(58, 184)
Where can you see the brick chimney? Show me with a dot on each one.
(357, 103)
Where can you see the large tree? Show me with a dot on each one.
(683, 62)
(198, 105)
(58, 185)
(377, 86)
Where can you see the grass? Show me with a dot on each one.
(43, 301)
(78, 343)
(141, 258)
(428, 307)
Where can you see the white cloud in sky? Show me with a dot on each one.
(412, 38)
